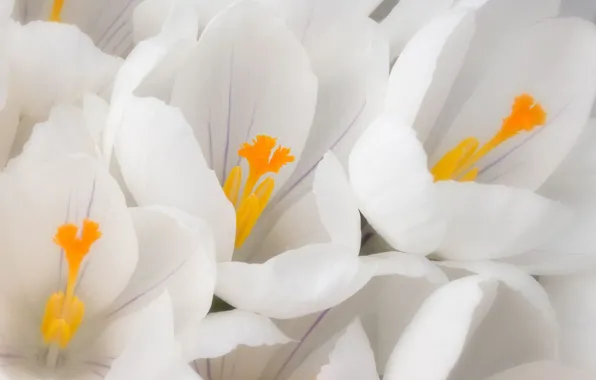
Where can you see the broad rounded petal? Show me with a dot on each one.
(424, 72)
(294, 283)
(521, 323)
(352, 65)
(247, 76)
(152, 342)
(74, 189)
(176, 252)
(574, 301)
(348, 357)
(494, 221)
(107, 22)
(385, 305)
(162, 164)
(95, 113)
(565, 90)
(544, 371)
(61, 135)
(54, 63)
(407, 17)
(221, 333)
(308, 19)
(440, 329)
(395, 191)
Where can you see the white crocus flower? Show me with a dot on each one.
(42, 64)
(107, 22)
(248, 98)
(497, 110)
(471, 328)
(79, 268)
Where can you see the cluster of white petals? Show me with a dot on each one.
(297, 189)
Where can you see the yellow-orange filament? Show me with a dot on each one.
(460, 162)
(64, 311)
(57, 11)
(262, 159)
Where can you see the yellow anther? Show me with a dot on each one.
(57, 11)
(262, 159)
(64, 312)
(459, 163)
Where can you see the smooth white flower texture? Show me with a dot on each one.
(497, 110)
(107, 22)
(247, 91)
(573, 300)
(472, 328)
(80, 270)
(42, 64)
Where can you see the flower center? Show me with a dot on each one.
(459, 164)
(262, 159)
(64, 312)
(56, 10)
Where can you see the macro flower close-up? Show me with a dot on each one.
(297, 189)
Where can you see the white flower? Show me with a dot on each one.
(497, 109)
(80, 270)
(251, 123)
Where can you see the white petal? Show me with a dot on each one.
(493, 221)
(439, 331)
(385, 305)
(221, 333)
(63, 134)
(573, 298)
(308, 19)
(394, 188)
(247, 76)
(347, 357)
(95, 112)
(351, 64)
(73, 189)
(294, 283)
(565, 89)
(162, 164)
(543, 371)
(152, 344)
(407, 17)
(327, 215)
(423, 74)
(53, 63)
(175, 252)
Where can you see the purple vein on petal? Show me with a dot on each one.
(230, 88)
(304, 337)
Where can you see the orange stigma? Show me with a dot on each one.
(459, 163)
(64, 311)
(57, 11)
(262, 159)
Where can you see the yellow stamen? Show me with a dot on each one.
(64, 311)
(459, 163)
(262, 159)
(57, 11)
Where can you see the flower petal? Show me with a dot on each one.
(162, 164)
(493, 221)
(397, 197)
(294, 283)
(542, 370)
(176, 252)
(247, 76)
(221, 333)
(74, 188)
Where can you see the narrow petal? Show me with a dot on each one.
(162, 164)
(394, 188)
(308, 279)
(492, 221)
(247, 76)
(221, 333)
